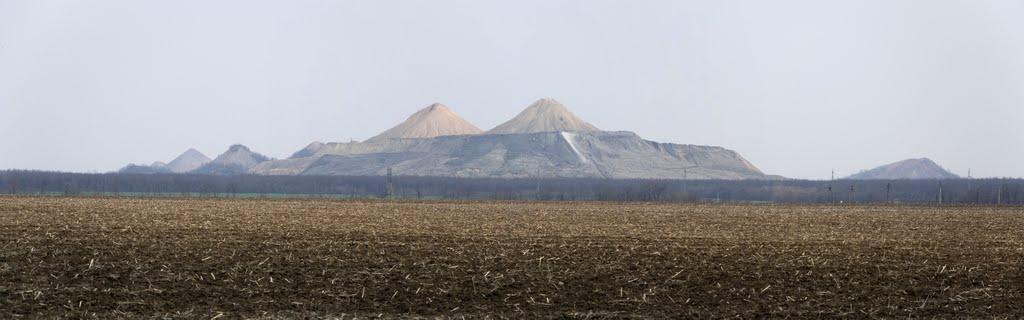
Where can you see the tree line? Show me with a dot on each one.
(956, 191)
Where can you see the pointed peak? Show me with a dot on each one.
(547, 103)
(434, 109)
(238, 159)
(544, 115)
(239, 153)
(433, 121)
(187, 161)
(437, 106)
(192, 151)
(238, 147)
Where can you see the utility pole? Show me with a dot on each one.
(970, 187)
(685, 178)
(999, 195)
(831, 199)
(969, 183)
(313, 192)
(390, 185)
(537, 194)
(977, 196)
(851, 193)
(888, 192)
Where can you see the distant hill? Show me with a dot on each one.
(544, 115)
(190, 160)
(436, 120)
(144, 169)
(237, 160)
(910, 169)
(187, 161)
(545, 140)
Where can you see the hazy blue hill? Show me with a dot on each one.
(910, 169)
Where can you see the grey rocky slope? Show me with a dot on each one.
(237, 160)
(544, 115)
(309, 150)
(435, 120)
(910, 169)
(544, 154)
(545, 140)
(187, 161)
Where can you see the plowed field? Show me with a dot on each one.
(306, 258)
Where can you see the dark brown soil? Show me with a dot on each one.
(217, 258)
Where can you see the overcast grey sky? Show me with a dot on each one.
(797, 87)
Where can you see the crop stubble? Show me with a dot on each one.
(204, 258)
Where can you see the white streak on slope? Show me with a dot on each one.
(569, 137)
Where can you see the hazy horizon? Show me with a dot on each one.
(798, 88)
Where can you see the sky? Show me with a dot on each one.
(798, 87)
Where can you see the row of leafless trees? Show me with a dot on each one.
(960, 191)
